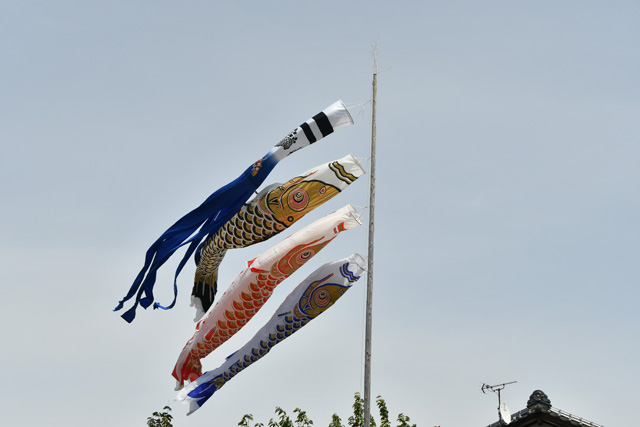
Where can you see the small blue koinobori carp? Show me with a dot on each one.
(319, 291)
(222, 205)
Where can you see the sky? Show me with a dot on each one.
(506, 217)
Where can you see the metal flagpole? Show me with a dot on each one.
(372, 198)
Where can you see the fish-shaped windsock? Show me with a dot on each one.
(319, 291)
(274, 209)
(254, 286)
(222, 205)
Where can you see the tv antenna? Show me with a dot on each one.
(503, 410)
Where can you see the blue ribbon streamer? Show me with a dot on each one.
(204, 221)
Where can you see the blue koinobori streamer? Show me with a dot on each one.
(222, 205)
(316, 294)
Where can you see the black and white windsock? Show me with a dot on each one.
(322, 124)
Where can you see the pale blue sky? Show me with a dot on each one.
(507, 202)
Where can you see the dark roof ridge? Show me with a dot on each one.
(539, 402)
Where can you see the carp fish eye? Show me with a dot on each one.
(298, 199)
(322, 298)
(305, 256)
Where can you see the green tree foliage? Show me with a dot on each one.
(160, 419)
(302, 420)
(284, 421)
(163, 419)
(384, 412)
(336, 421)
(244, 422)
(404, 421)
(355, 420)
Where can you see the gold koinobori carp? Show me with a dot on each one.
(273, 210)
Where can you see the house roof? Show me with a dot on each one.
(539, 409)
